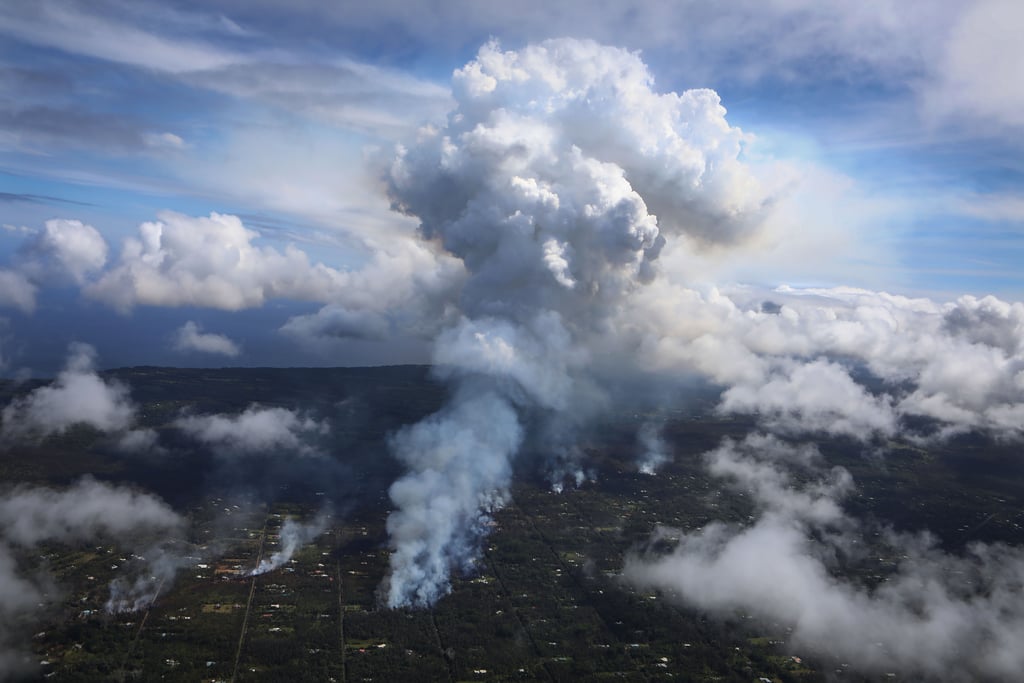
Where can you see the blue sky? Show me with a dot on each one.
(899, 122)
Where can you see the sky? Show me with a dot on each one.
(889, 130)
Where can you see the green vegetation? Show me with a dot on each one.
(543, 602)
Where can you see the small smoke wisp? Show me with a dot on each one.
(155, 570)
(654, 450)
(293, 536)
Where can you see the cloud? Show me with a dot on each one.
(256, 430)
(819, 396)
(77, 396)
(71, 27)
(975, 79)
(16, 291)
(41, 123)
(936, 615)
(346, 93)
(65, 248)
(164, 140)
(335, 321)
(212, 262)
(190, 337)
(806, 366)
(191, 46)
(90, 509)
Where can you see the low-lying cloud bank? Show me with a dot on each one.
(256, 430)
(77, 396)
(938, 615)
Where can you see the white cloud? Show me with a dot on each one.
(77, 396)
(977, 79)
(164, 140)
(185, 261)
(65, 248)
(256, 430)
(16, 291)
(90, 509)
(937, 615)
(190, 337)
(813, 397)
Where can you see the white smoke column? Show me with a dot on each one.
(541, 183)
(655, 450)
(293, 536)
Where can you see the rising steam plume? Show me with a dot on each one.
(549, 185)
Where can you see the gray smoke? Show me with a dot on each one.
(293, 536)
(89, 510)
(542, 183)
(155, 571)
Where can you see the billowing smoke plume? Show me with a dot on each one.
(554, 181)
(89, 510)
(939, 615)
(293, 535)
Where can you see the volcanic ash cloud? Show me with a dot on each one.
(555, 181)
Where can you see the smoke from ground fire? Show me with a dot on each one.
(293, 535)
(541, 183)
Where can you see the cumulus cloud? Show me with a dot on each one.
(16, 291)
(256, 430)
(212, 262)
(190, 337)
(808, 365)
(77, 396)
(65, 248)
(215, 262)
(937, 615)
(819, 396)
